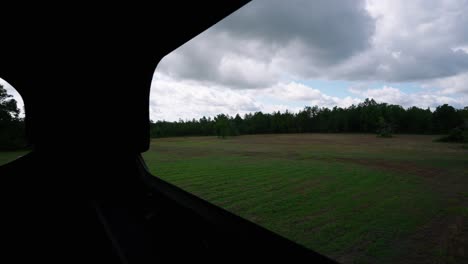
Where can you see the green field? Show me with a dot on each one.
(6, 157)
(356, 198)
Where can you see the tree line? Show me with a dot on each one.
(12, 130)
(366, 117)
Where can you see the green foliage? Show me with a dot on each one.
(225, 126)
(445, 118)
(456, 135)
(385, 129)
(8, 109)
(12, 130)
(366, 117)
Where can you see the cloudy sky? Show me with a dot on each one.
(276, 55)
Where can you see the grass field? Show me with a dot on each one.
(355, 198)
(6, 157)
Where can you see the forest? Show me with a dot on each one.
(12, 127)
(366, 117)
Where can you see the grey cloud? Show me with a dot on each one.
(414, 41)
(408, 67)
(273, 34)
(457, 84)
(215, 58)
(373, 40)
(331, 30)
(438, 63)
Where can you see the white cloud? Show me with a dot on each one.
(461, 48)
(387, 40)
(242, 63)
(414, 40)
(294, 91)
(173, 99)
(270, 38)
(243, 71)
(393, 95)
(297, 92)
(457, 84)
